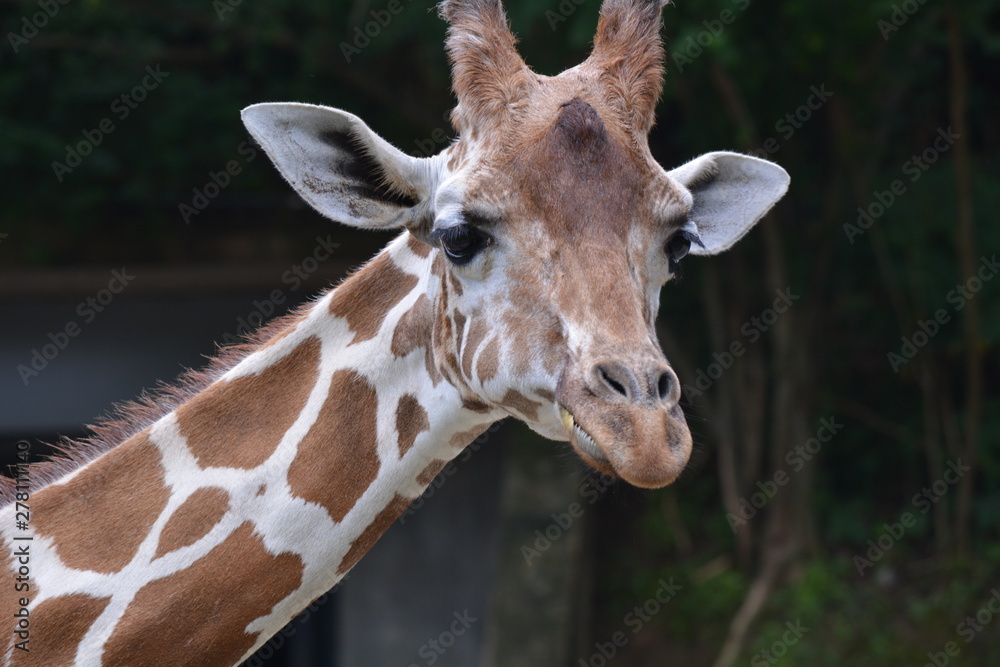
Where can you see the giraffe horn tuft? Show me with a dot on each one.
(628, 56)
(488, 73)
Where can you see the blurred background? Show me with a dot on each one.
(839, 365)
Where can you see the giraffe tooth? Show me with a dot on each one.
(567, 419)
(584, 440)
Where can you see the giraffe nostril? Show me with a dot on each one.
(614, 384)
(665, 384)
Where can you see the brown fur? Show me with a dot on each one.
(366, 299)
(97, 521)
(463, 438)
(628, 58)
(414, 328)
(411, 421)
(239, 423)
(418, 247)
(9, 601)
(340, 446)
(473, 405)
(515, 401)
(488, 75)
(57, 627)
(432, 470)
(193, 520)
(477, 331)
(198, 616)
(369, 537)
(489, 361)
(545, 394)
(459, 332)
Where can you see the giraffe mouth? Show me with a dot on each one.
(583, 440)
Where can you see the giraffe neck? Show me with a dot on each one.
(208, 531)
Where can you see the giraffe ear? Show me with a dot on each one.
(340, 166)
(731, 193)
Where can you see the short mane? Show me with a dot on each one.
(125, 420)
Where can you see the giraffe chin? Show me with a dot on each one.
(644, 465)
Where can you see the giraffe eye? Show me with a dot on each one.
(679, 245)
(462, 243)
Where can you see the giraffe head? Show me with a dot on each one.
(550, 227)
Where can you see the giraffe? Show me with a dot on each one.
(524, 282)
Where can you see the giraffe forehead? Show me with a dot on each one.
(571, 167)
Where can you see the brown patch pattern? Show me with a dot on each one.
(341, 445)
(463, 438)
(475, 406)
(415, 328)
(58, 626)
(193, 519)
(432, 470)
(515, 400)
(411, 421)
(9, 600)
(366, 298)
(456, 285)
(239, 423)
(489, 361)
(545, 394)
(477, 331)
(520, 328)
(459, 329)
(198, 616)
(98, 519)
(369, 537)
(418, 247)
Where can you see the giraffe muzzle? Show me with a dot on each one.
(628, 429)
